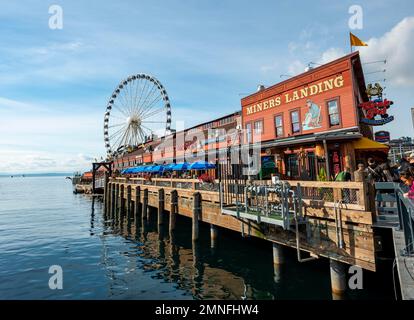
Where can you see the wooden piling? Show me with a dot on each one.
(137, 202)
(112, 200)
(173, 210)
(338, 278)
(278, 257)
(122, 203)
(117, 187)
(196, 215)
(213, 236)
(128, 203)
(160, 206)
(145, 205)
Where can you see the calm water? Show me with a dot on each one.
(42, 223)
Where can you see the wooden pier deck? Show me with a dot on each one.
(405, 266)
(319, 239)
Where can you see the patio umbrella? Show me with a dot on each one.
(181, 166)
(157, 168)
(202, 165)
(169, 167)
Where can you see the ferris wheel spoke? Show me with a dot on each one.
(130, 90)
(115, 136)
(142, 133)
(152, 121)
(121, 110)
(142, 92)
(147, 115)
(152, 104)
(126, 102)
(117, 125)
(122, 99)
(118, 117)
(148, 94)
(136, 94)
(145, 127)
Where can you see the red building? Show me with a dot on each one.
(312, 120)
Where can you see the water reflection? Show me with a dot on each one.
(231, 268)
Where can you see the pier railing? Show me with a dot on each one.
(391, 202)
(315, 194)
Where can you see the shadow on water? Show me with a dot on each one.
(237, 268)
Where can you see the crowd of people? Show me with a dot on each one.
(403, 172)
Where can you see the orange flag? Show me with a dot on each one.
(355, 41)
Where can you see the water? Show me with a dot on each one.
(42, 223)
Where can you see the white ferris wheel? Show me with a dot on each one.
(138, 109)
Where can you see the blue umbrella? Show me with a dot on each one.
(136, 169)
(181, 166)
(169, 167)
(202, 165)
(156, 168)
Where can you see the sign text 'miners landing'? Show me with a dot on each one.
(308, 91)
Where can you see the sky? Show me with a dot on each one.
(55, 83)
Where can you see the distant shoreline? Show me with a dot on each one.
(28, 175)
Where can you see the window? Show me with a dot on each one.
(294, 116)
(249, 132)
(292, 165)
(258, 127)
(333, 112)
(279, 126)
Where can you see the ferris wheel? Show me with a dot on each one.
(138, 109)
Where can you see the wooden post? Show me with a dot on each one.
(173, 209)
(112, 199)
(122, 202)
(137, 202)
(128, 203)
(213, 236)
(278, 257)
(145, 205)
(278, 261)
(117, 187)
(338, 278)
(160, 206)
(196, 214)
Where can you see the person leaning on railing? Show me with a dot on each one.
(408, 179)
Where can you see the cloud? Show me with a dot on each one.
(397, 46)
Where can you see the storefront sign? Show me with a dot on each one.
(376, 107)
(305, 92)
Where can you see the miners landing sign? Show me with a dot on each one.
(311, 90)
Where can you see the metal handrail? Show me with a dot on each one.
(405, 209)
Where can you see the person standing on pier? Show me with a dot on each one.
(407, 178)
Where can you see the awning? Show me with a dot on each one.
(201, 165)
(368, 144)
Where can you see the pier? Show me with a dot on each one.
(329, 226)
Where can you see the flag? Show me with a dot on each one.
(355, 41)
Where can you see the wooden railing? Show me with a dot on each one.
(350, 195)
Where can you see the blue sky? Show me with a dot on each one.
(54, 84)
